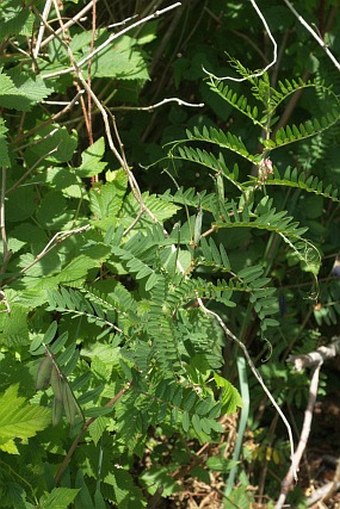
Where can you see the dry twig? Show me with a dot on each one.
(318, 357)
(109, 40)
(314, 359)
(5, 251)
(287, 483)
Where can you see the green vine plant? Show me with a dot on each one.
(118, 305)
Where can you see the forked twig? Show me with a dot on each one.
(108, 41)
(70, 22)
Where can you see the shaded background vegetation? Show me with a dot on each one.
(174, 49)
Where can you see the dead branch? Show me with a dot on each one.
(318, 357)
(287, 482)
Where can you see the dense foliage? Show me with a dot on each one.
(126, 230)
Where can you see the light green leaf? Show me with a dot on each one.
(106, 201)
(16, 20)
(14, 329)
(91, 159)
(54, 143)
(22, 95)
(19, 419)
(76, 270)
(33, 88)
(59, 498)
(121, 61)
(230, 396)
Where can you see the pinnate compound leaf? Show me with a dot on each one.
(19, 419)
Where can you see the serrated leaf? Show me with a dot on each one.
(59, 498)
(107, 200)
(22, 95)
(120, 60)
(91, 163)
(19, 419)
(230, 397)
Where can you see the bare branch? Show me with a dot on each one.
(109, 40)
(69, 23)
(152, 107)
(121, 23)
(44, 17)
(318, 357)
(5, 252)
(306, 427)
(265, 69)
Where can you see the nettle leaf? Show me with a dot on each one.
(53, 212)
(20, 204)
(59, 498)
(15, 329)
(15, 20)
(127, 493)
(91, 163)
(53, 143)
(76, 270)
(120, 60)
(230, 397)
(33, 87)
(19, 419)
(20, 93)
